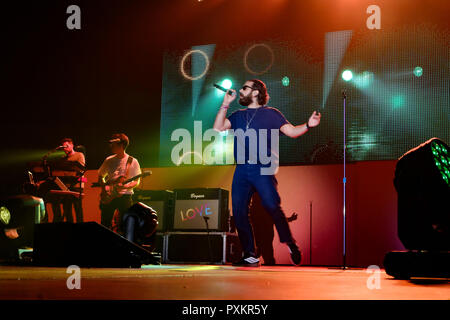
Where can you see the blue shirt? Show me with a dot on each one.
(261, 118)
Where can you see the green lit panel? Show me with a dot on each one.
(442, 160)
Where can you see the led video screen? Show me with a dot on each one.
(395, 81)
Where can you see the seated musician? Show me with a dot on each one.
(113, 172)
(74, 183)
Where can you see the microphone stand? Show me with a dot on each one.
(45, 163)
(81, 187)
(80, 200)
(209, 240)
(344, 180)
(310, 232)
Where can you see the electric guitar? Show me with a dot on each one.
(110, 188)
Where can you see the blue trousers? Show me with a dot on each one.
(246, 180)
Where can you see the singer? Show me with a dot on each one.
(71, 155)
(68, 201)
(247, 177)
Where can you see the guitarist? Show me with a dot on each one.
(114, 170)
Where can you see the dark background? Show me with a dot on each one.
(106, 77)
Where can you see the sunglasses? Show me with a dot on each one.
(245, 87)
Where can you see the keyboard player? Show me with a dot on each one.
(74, 183)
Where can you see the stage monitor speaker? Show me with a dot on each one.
(86, 244)
(162, 201)
(192, 206)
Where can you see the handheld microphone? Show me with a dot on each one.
(223, 89)
(59, 148)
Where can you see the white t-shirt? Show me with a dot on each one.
(113, 168)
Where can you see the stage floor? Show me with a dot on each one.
(211, 282)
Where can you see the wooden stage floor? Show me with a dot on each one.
(211, 282)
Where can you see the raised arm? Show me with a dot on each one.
(296, 131)
(222, 123)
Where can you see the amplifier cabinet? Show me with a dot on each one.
(162, 201)
(201, 209)
(201, 248)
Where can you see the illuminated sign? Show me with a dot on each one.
(190, 214)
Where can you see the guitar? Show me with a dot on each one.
(110, 188)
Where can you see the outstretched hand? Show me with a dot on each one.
(314, 120)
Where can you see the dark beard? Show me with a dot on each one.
(245, 101)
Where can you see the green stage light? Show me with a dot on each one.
(227, 84)
(347, 75)
(422, 181)
(398, 101)
(441, 160)
(363, 80)
(19, 215)
(285, 81)
(418, 71)
(5, 215)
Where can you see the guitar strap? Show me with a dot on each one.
(129, 161)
